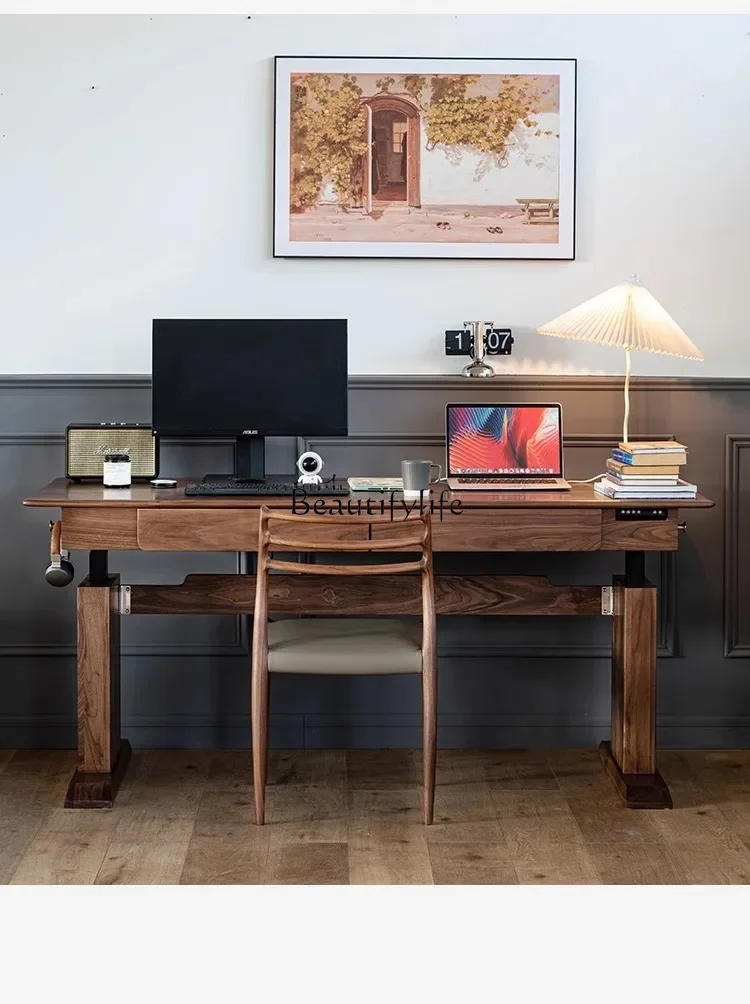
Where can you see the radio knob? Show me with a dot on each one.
(682, 527)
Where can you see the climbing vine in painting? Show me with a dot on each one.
(484, 123)
(327, 138)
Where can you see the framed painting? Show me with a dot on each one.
(395, 157)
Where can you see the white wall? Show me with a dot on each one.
(444, 179)
(135, 182)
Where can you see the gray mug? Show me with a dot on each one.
(416, 476)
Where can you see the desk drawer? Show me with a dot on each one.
(95, 529)
(197, 529)
(512, 530)
(226, 530)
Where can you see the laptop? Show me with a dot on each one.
(508, 447)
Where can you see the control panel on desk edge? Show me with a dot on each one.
(639, 513)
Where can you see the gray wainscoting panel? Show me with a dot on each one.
(737, 549)
(503, 681)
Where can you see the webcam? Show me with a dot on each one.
(310, 465)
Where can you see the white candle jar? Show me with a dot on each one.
(117, 470)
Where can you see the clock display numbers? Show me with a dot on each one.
(497, 342)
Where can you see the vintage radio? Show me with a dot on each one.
(87, 445)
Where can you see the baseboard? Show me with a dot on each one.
(455, 731)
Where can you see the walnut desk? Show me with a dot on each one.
(144, 518)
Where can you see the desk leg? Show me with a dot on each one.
(102, 756)
(630, 758)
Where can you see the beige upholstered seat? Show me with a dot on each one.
(348, 646)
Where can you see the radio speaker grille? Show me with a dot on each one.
(87, 445)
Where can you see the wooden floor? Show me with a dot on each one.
(340, 817)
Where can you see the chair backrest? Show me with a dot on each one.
(415, 533)
(418, 536)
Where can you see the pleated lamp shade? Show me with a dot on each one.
(627, 317)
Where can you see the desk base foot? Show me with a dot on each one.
(639, 791)
(97, 791)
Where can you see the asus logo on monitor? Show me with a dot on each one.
(249, 432)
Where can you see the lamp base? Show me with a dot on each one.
(477, 369)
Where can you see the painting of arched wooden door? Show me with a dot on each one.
(390, 167)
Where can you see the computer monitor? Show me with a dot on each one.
(248, 379)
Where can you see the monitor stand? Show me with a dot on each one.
(249, 462)
(249, 458)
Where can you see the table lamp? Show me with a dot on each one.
(628, 317)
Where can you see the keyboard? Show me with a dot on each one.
(258, 489)
(505, 481)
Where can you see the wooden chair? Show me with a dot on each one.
(342, 645)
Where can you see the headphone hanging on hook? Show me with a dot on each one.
(60, 571)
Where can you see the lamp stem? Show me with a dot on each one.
(626, 416)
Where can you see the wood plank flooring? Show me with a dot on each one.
(337, 817)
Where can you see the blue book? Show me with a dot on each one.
(622, 456)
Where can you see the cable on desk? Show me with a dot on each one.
(588, 481)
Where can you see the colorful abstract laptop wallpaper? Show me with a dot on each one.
(512, 439)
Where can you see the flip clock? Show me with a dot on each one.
(478, 339)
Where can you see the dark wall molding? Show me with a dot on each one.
(531, 381)
(357, 440)
(733, 648)
(58, 439)
(436, 381)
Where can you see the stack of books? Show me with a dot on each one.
(646, 471)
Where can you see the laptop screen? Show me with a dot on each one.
(505, 440)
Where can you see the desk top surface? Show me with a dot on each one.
(62, 493)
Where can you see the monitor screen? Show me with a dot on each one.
(237, 377)
(504, 440)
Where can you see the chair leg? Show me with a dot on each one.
(268, 724)
(429, 738)
(259, 718)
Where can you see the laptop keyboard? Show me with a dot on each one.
(504, 481)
